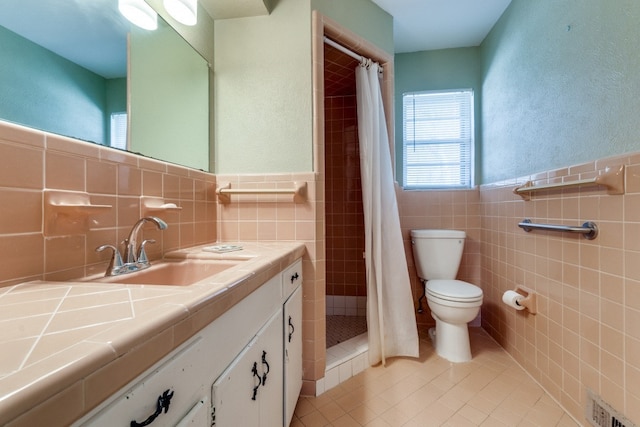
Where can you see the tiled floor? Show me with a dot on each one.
(341, 328)
(491, 390)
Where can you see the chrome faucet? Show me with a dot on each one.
(135, 258)
(131, 242)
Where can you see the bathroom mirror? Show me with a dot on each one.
(65, 69)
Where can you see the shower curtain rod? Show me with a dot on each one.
(343, 49)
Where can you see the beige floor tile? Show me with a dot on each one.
(379, 422)
(457, 420)
(345, 421)
(484, 405)
(396, 416)
(494, 422)
(304, 407)
(364, 414)
(314, 419)
(472, 414)
(490, 391)
(332, 411)
(567, 421)
(352, 400)
(435, 414)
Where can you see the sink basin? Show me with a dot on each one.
(175, 273)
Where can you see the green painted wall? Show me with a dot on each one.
(437, 70)
(169, 100)
(361, 17)
(42, 90)
(561, 84)
(263, 83)
(263, 91)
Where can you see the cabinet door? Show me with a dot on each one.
(249, 391)
(292, 353)
(291, 278)
(198, 416)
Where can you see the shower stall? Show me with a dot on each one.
(345, 272)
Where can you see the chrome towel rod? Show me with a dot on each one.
(589, 229)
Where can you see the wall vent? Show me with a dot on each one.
(600, 414)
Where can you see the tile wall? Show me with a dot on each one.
(340, 305)
(34, 161)
(458, 210)
(277, 217)
(344, 217)
(586, 334)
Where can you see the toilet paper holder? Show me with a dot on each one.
(530, 301)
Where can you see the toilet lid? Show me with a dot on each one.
(454, 290)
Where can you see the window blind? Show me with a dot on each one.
(438, 139)
(118, 131)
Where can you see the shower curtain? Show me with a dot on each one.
(391, 320)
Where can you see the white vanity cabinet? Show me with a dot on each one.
(249, 391)
(291, 281)
(244, 369)
(276, 399)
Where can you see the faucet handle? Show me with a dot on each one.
(142, 256)
(116, 259)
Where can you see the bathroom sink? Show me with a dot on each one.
(175, 273)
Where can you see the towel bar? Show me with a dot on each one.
(611, 178)
(589, 229)
(298, 191)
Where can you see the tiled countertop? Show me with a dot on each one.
(67, 346)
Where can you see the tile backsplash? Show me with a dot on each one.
(35, 161)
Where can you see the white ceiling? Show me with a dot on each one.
(441, 24)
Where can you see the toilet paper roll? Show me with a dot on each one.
(511, 298)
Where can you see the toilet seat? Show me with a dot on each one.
(454, 291)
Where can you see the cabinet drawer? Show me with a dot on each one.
(227, 336)
(291, 278)
(177, 383)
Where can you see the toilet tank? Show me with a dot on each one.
(437, 253)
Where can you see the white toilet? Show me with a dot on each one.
(453, 303)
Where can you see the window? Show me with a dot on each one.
(438, 139)
(119, 131)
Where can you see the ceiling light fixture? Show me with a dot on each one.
(139, 13)
(183, 11)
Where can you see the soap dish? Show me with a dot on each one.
(222, 248)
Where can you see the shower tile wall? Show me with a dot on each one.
(344, 217)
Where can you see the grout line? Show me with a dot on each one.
(44, 328)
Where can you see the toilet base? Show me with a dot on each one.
(451, 341)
